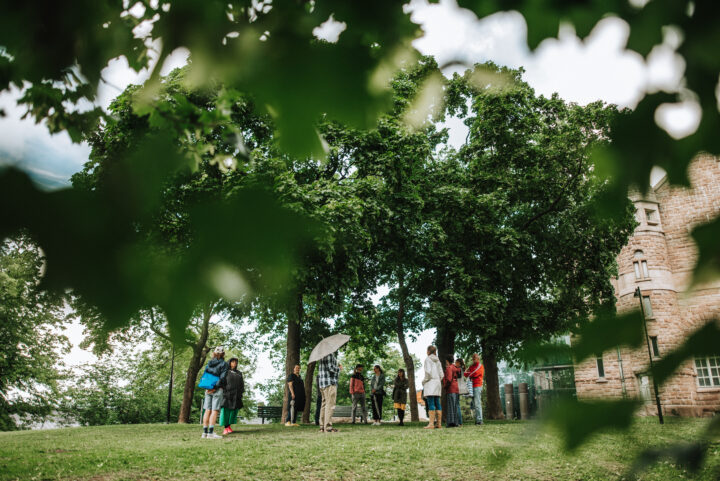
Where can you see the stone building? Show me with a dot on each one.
(659, 258)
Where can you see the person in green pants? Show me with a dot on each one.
(233, 389)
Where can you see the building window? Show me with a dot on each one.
(643, 381)
(640, 265)
(600, 367)
(641, 270)
(708, 371)
(647, 306)
(652, 216)
(654, 345)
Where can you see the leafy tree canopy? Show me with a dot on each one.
(30, 335)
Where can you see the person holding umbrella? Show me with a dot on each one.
(296, 396)
(328, 372)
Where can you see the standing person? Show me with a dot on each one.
(234, 388)
(296, 396)
(377, 394)
(318, 402)
(399, 394)
(452, 373)
(462, 385)
(475, 373)
(432, 387)
(328, 380)
(214, 397)
(357, 393)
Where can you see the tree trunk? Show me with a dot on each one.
(309, 374)
(292, 353)
(446, 348)
(491, 385)
(409, 365)
(200, 351)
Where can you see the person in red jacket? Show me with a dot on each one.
(357, 393)
(475, 373)
(450, 381)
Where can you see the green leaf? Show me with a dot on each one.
(578, 421)
(707, 238)
(608, 331)
(703, 342)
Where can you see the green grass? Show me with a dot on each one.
(496, 451)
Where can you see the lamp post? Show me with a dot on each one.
(172, 368)
(638, 294)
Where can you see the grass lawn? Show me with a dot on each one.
(496, 451)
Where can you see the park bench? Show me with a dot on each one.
(342, 411)
(269, 412)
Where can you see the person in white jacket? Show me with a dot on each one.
(432, 386)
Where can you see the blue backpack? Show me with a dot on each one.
(208, 381)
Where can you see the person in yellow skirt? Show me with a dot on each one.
(399, 395)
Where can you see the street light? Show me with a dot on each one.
(170, 387)
(638, 294)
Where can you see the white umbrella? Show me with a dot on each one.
(328, 346)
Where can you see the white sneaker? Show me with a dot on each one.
(214, 436)
(204, 435)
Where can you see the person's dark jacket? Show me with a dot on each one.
(219, 368)
(399, 394)
(233, 389)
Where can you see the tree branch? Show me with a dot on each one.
(555, 203)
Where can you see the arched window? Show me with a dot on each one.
(640, 265)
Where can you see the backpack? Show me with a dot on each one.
(208, 381)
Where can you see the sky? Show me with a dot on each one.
(579, 70)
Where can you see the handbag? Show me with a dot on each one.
(469, 382)
(464, 387)
(208, 381)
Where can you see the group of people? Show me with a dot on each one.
(377, 394)
(457, 380)
(225, 398)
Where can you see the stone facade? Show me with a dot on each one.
(659, 258)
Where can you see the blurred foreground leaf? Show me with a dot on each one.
(689, 454)
(577, 420)
(703, 342)
(607, 331)
(92, 246)
(707, 237)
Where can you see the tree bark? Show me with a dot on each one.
(200, 351)
(292, 352)
(446, 347)
(409, 365)
(491, 385)
(309, 375)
